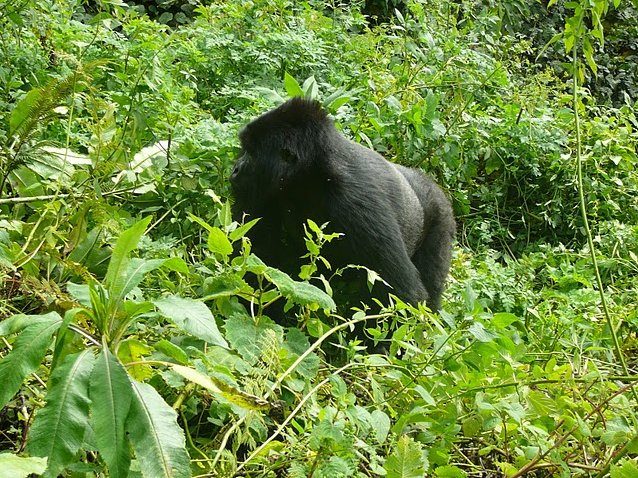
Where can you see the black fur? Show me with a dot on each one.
(396, 221)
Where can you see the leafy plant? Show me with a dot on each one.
(91, 386)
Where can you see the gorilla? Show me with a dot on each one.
(295, 165)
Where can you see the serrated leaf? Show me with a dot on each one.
(110, 394)
(300, 292)
(406, 461)
(246, 336)
(541, 403)
(18, 467)
(59, 427)
(629, 469)
(158, 441)
(297, 343)
(16, 323)
(381, 425)
(28, 352)
(219, 243)
(480, 333)
(192, 316)
(116, 278)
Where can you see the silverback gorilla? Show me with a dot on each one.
(295, 165)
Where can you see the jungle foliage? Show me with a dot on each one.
(135, 330)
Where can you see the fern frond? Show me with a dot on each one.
(38, 106)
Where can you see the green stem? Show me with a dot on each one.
(583, 212)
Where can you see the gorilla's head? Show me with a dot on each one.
(279, 150)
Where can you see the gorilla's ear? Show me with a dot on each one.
(288, 156)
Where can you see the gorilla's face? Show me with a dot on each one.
(268, 164)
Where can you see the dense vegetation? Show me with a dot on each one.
(132, 339)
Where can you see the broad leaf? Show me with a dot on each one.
(629, 469)
(247, 337)
(172, 350)
(219, 243)
(58, 429)
(16, 323)
(116, 278)
(111, 401)
(291, 86)
(381, 424)
(28, 352)
(406, 461)
(137, 269)
(300, 292)
(158, 441)
(18, 467)
(192, 316)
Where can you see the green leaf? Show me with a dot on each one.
(111, 401)
(24, 108)
(192, 316)
(80, 292)
(297, 343)
(59, 427)
(310, 88)
(242, 230)
(172, 350)
(16, 323)
(480, 333)
(629, 469)
(381, 424)
(219, 243)
(300, 292)
(449, 471)
(406, 461)
(135, 350)
(17, 467)
(200, 221)
(292, 87)
(138, 268)
(542, 404)
(246, 336)
(116, 278)
(28, 352)
(158, 441)
(215, 385)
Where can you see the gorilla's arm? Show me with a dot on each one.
(374, 240)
